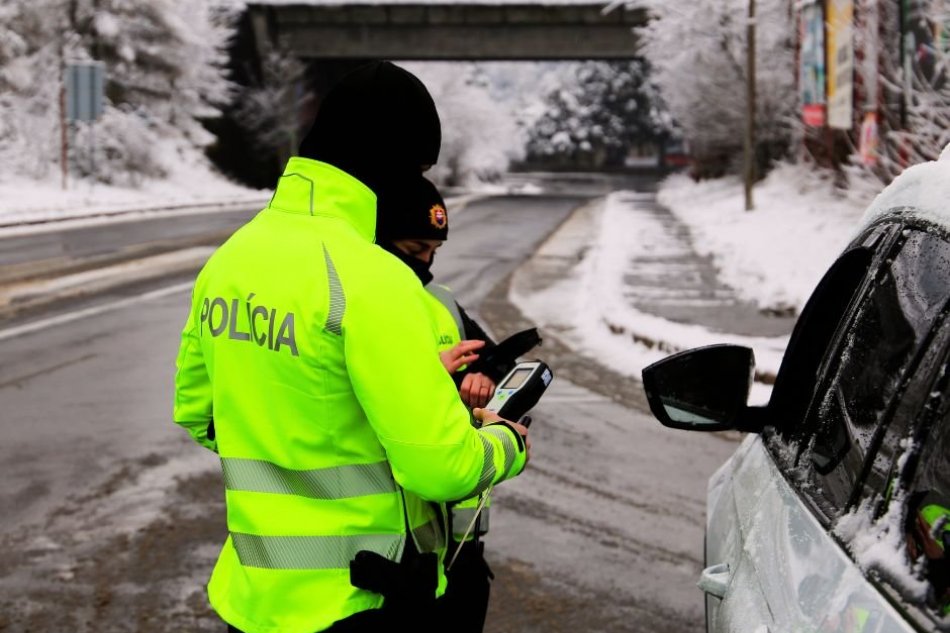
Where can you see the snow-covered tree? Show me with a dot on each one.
(697, 49)
(163, 63)
(916, 85)
(268, 109)
(29, 86)
(598, 115)
(480, 131)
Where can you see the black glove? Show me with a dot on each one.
(498, 361)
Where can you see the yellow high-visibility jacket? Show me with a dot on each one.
(451, 331)
(314, 354)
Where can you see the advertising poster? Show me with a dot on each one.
(812, 77)
(840, 18)
(868, 147)
(869, 62)
(918, 38)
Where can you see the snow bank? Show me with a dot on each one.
(192, 181)
(776, 254)
(588, 309)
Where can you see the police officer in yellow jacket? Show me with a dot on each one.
(422, 227)
(308, 362)
(413, 225)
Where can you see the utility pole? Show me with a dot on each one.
(750, 108)
(64, 136)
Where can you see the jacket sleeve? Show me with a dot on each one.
(411, 401)
(193, 394)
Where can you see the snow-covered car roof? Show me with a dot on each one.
(921, 191)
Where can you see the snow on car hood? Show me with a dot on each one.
(920, 191)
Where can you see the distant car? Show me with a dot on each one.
(674, 155)
(834, 512)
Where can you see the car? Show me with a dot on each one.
(674, 155)
(833, 514)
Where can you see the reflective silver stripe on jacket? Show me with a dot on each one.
(319, 552)
(488, 467)
(311, 552)
(334, 323)
(462, 518)
(446, 298)
(338, 482)
(327, 552)
(507, 442)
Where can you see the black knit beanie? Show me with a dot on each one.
(379, 122)
(410, 208)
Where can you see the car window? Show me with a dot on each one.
(815, 329)
(915, 495)
(865, 373)
(927, 518)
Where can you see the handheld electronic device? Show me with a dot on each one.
(515, 395)
(521, 389)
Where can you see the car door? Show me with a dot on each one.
(863, 393)
(840, 381)
(864, 379)
(740, 544)
(899, 528)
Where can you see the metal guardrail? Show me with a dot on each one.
(56, 216)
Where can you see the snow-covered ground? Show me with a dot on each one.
(23, 200)
(774, 256)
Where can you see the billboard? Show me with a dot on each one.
(869, 143)
(811, 80)
(840, 48)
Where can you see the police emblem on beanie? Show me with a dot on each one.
(410, 208)
(438, 217)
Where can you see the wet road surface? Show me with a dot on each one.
(110, 518)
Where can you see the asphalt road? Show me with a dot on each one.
(58, 247)
(110, 518)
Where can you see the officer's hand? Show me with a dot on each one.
(476, 389)
(490, 417)
(461, 354)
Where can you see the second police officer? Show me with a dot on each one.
(422, 227)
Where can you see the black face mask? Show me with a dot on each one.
(421, 268)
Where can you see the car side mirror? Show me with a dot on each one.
(702, 389)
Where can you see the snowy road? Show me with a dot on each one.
(110, 519)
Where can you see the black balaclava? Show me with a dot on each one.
(378, 123)
(411, 209)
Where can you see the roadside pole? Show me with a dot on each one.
(64, 140)
(750, 108)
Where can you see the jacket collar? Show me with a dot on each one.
(310, 187)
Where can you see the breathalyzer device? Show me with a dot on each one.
(520, 390)
(515, 395)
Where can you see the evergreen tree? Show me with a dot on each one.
(597, 117)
